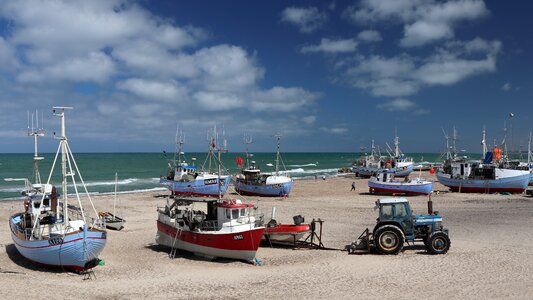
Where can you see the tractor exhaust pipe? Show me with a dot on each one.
(430, 206)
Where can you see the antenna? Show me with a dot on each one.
(247, 139)
(278, 137)
(35, 132)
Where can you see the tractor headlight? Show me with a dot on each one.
(438, 226)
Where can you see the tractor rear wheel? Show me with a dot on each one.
(389, 239)
(438, 243)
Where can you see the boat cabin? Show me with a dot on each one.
(183, 173)
(472, 170)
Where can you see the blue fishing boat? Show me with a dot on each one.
(251, 181)
(384, 182)
(184, 179)
(487, 176)
(50, 231)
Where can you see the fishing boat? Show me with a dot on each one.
(251, 181)
(52, 232)
(285, 234)
(224, 228)
(384, 182)
(112, 221)
(185, 180)
(374, 163)
(487, 176)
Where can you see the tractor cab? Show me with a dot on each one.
(395, 211)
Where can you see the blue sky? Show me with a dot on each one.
(328, 75)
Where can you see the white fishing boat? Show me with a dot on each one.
(52, 232)
(225, 228)
(251, 181)
(384, 182)
(185, 180)
(112, 221)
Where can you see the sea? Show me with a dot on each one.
(138, 172)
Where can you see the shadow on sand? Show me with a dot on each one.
(189, 255)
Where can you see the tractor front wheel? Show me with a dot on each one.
(438, 243)
(389, 239)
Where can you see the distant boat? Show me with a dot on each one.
(50, 231)
(374, 163)
(251, 181)
(112, 221)
(185, 180)
(384, 182)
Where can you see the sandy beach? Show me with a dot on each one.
(491, 253)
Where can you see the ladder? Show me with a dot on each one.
(173, 249)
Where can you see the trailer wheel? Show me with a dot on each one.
(389, 239)
(438, 243)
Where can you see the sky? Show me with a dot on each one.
(329, 76)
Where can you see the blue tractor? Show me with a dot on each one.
(396, 225)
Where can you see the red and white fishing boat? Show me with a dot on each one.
(226, 228)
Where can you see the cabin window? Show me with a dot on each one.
(243, 212)
(228, 214)
(235, 213)
(400, 210)
(386, 211)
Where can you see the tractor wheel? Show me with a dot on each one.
(389, 239)
(438, 243)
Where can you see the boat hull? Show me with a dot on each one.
(73, 251)
(239, 245)
(424, 188)
(514, 184)
(201, 188)
(265, 190)
(285, 234)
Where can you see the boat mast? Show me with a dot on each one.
(529, 154)
(396, 146)
(220, 149)
(278, 136)
(115, 199)
(180, 140)
(454, 143)
(36, 132)
(247, 141)
(484, 143)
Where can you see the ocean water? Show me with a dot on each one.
(141, 171)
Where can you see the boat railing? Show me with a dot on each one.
(76, 214)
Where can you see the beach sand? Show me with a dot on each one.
(491, 253)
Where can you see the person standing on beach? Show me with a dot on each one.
(353, 186)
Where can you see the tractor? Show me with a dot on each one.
(397, 225)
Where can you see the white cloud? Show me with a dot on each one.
(95, 67)
(155, 90)
(281, 99)
(332, 46)
(369, 36)
(334, 130)
(227, 68)
(403, 105)
(405, 75)
(309, 119)
(306, 19)
(425, 21)
(213, 101)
